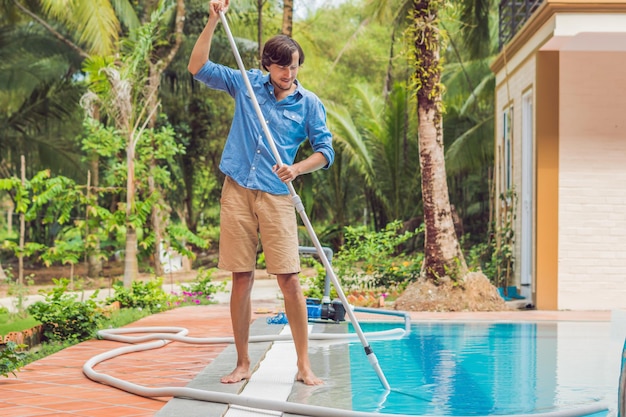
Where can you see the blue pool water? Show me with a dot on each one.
(489, 369)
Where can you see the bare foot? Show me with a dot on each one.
(308, 378)
(239, 374)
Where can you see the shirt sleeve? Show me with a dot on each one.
(219, 77)
(319, 135)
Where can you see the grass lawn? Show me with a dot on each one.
(13, 323)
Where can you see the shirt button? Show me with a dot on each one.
(258, 151)
(253, 168)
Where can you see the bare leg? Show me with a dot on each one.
(240, 316)
(295, 307)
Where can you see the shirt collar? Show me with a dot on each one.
(270, 86)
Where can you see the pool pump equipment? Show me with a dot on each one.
(325, 309)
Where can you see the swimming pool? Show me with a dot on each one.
(489, 368)
(483, 368)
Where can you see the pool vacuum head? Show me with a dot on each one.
(317, 309)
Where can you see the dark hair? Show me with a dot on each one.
(279, 50)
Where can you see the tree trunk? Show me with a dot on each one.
(10, 220)
(287, 18)
(20, 257)
(157, 227)
(94, 263)
(442, 252)
(155, 215)
(131, 264)
(259, 6)
(156, 70)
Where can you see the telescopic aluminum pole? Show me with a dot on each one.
(297, 202)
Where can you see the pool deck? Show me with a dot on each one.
(56, 385)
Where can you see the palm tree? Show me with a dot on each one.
(159, 61)
(469, 114)
(442, 252)
(77, 30)
(93, 30)
(287, 28)
(443, 255)
(127, 94)
(380, 151)
(37, 100)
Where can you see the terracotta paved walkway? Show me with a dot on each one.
(56, 386)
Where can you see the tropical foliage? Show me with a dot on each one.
(80, 102)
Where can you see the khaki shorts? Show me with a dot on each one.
(247, 214)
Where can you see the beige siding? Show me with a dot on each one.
(580, 138)
(592, 185)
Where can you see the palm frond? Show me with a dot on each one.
(472, 149)
(94, 22)
(126, 13)
(346, 133)
(485, 84)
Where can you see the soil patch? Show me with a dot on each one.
(476, 293)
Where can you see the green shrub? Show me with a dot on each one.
(64, 317)
(11, 358)
(371, 259)
(314, 286)
(118, 318)
(200, 291)
(142, 295)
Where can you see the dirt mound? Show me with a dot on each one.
(475, 293)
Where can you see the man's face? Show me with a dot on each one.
(283, 76)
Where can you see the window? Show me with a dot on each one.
(507, 157)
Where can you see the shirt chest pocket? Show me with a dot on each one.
(293, 116)
(292, 121)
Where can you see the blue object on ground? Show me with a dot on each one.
(314, 311)
(501, 292)
(279, 318)
(511, 293)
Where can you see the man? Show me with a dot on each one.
(255, 199)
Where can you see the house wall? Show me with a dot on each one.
(547, 182)
(510, 93)
(592, 181)
(566, 266)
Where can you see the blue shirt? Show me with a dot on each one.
(247, 157)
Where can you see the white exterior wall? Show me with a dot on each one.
(592, 183)
(592, 177)
(592, 223)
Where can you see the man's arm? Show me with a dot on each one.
(200, 53)
(314, 162)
